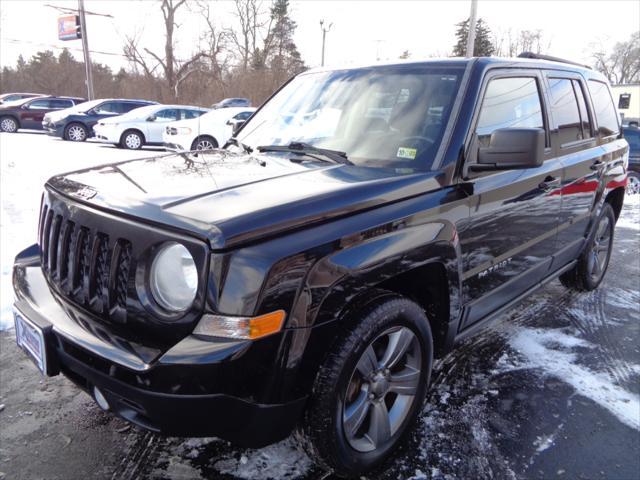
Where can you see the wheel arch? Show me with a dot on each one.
(616, 199)
(13, 117)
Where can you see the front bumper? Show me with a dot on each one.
(107, 134)
(53, 130)
(138, 383)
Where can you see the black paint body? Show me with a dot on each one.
(312, 239)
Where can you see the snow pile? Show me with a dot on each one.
(282, 460)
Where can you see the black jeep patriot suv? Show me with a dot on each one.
(361, 223)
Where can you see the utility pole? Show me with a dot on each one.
(85, 50)
(471, 37)
(324, 36)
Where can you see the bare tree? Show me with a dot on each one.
(511, 43)
(622, 64)
(252, 30)
(174, 71)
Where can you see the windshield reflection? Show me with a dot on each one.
(392, 117)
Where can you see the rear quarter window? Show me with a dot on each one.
(604, 109)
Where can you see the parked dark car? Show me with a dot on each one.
(12, 97)
(232, 102)
(308, 274)
(632, 134)
(77, 124)
(29, 112)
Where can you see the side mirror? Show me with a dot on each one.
(151, 118)
(512, 148)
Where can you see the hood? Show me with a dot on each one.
(228, 199)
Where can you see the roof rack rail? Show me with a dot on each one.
(549, 58)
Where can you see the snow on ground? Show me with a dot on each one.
(27, 160)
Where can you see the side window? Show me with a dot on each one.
(605, 111)
(584, 114)
(125, 107)
(187, 114)
(107, 108)
(39, 105)
(168, 115)
(565, 110)
(242, 115)
(509, 103)
(59, 104)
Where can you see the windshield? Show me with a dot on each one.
(392, 117)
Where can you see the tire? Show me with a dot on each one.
(633, 183)
(594, 260)
(351, 389)
(9, 124)
(204, 142)
(132, 140)
(76, 132)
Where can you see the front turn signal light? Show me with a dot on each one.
(248, 328)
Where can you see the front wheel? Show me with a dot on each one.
(370, 389)
(8, 125)
(76, 132)
(594, 260)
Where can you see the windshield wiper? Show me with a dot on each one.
(235, 141)
(333, 156)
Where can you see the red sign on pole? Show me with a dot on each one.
(69, 27)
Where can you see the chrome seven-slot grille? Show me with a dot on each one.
(85, 265)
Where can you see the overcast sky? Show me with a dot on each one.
(361, 31)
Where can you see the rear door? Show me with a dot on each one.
(510, 237)
(587, 148)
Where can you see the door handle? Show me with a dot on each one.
(597, 164)
(549, 183)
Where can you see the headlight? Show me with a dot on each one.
(183, 130)
(174, 278)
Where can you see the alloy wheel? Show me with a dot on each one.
(382, 389)
(8, 125)
(76, 133)
(599, 253)
(204, 144)
(633, 185)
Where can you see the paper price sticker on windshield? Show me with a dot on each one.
(404, 152)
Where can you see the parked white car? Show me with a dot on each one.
(211, 130)
(143, 126)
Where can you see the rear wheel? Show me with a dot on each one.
(633, 183)
(370, 389)
(594, 260)
(8, 124)
(132, 140)
(76, 132)
(204, 142)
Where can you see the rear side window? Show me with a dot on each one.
(61, 103)
(605, 111)
(187, 114)
(509, 103)
(584, 114)
(564, 107)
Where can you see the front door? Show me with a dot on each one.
(510, 236)
(156, 127)
(33, 113)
